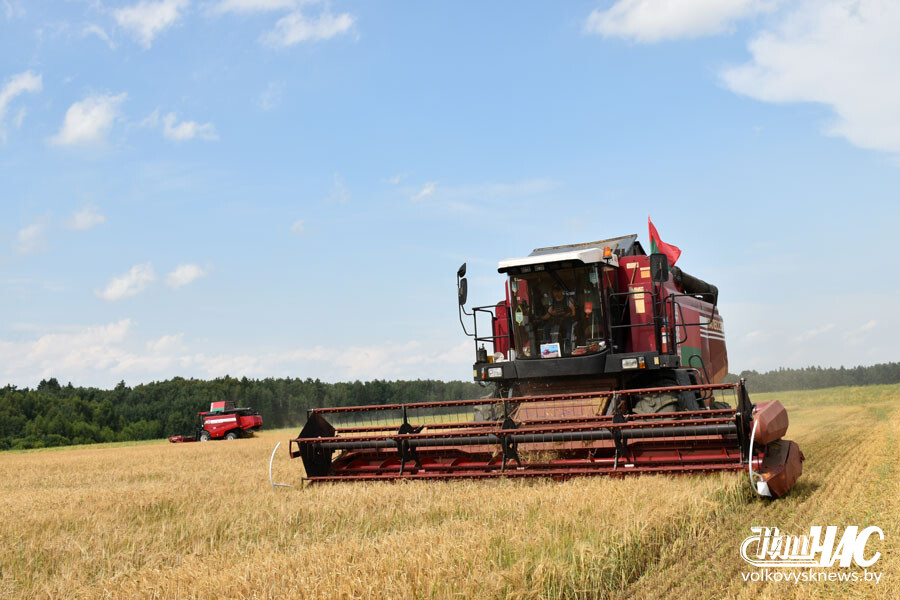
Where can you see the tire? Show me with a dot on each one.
(204, 436)
(665, 401)
(231, 435)
(656, 403)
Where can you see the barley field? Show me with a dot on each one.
(160, 520)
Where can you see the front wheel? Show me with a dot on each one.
(204, 437)
(231, 435)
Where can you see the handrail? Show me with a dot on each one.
(684, 325)
(651, 323)
(490, 309)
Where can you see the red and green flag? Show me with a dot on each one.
(659, 246)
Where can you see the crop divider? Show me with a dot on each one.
(405, 449)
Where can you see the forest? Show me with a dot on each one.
(59, 415)
(814, 378)
(55, 415)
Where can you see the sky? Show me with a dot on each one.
(272, 188)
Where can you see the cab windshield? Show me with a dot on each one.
(557, 312)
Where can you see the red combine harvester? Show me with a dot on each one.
(223, 421)
(605, 361)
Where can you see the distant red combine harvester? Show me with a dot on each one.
(223, 421)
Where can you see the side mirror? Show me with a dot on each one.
(461, 272)
(463, 290)
(659, 268)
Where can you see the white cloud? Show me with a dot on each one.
(795, 333)
(815, 332)
(166, 343)
(96, 30)
(187, 130)
(270, 97)
(128, 284)
(472, 197)
(147, 19)
(179, 132)
(93, 355)
(389, 360)
(249, 6)
(20, 118)
(757, 336)
(13, 9)
(381, 361)
(861, 333)
(298, 226)
(183, 275)
(296, 27)
(29, 81)
(338, 192)
(151, 120)
(86, 218)
(30, 238)
(395, 179)
(500, 191)
(657, 20)
(67, 352)
(426, 191)
(89, 120)
(835, 52)
(104, 354)
(868, 326)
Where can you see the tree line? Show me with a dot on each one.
(55, 415)
(813, 378)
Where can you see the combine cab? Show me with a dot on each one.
(223, 421)
(603, 360)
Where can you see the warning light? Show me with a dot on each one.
(607, 252)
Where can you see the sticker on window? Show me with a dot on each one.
(519, 315)
(550, 350)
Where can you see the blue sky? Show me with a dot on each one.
(286, 188)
